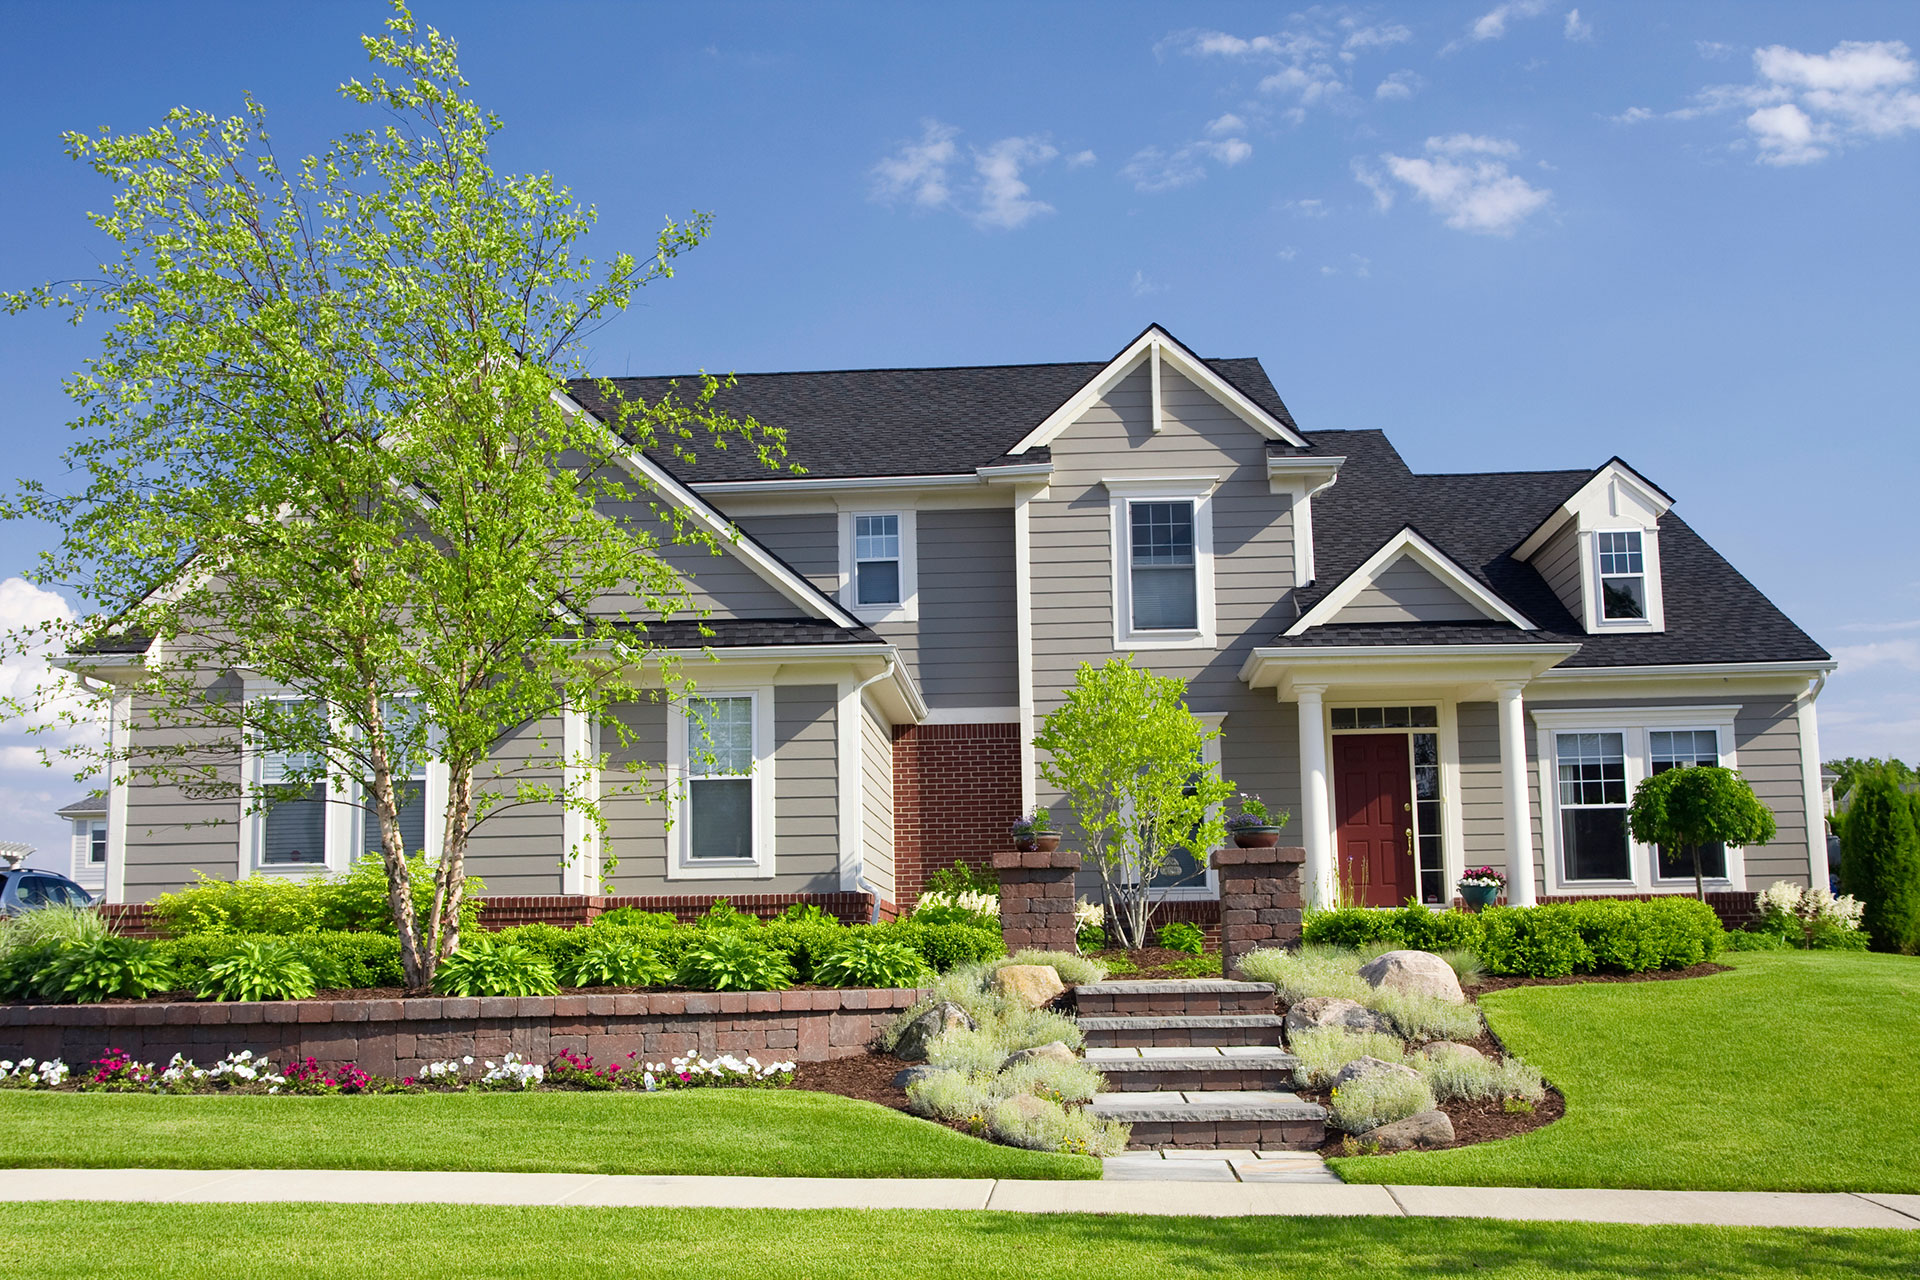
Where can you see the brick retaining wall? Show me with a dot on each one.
(398, 1037)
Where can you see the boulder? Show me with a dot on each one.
(911, 1074)
(1316, 1012)
(1034, 985)
(1052, 1051)
(1448, 1049)
(1369, 1066)
(943, 1017)
(1428, 1129)
(1419, 972)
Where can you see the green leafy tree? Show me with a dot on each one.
(1880, 859)
(324, 448)
(1851, 768)
(1127, 755)
(1698, 805)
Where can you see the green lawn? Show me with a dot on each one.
(766, 1132)
(340, 1241)
(1798, 1071)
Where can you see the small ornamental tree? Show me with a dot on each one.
(1127, 755)
(1698, 805)
(327, 490)
(1880, 859)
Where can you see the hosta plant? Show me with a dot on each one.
(1182, 935)
(871, 962)
(264, 969)
(89, 972)
(616, 961)
(726, 959)
(484, 968)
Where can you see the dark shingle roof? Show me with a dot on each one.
(85, 807)
(1713, 614)
(733, 633)
(896, 422)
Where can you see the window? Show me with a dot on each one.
(720, 792)
(1164, 582)
(1623, 576)
(45, 891)
(294, 827)
(876, 560)
(410, 786)
(97, 843)
(1592, 772)
(1677, 749)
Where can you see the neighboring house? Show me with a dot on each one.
(86, 861)
(1389, 656)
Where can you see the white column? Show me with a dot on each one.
(1316, 880)
(1519, 807)
(1810, 788)
(1023, 641)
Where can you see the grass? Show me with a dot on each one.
(1795, 1072)
(785, 1133)
(339, 1241)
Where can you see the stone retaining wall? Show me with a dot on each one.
(1036, 898)
(1259, 900)
(398, 1037)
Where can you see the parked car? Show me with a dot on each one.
(23, 890)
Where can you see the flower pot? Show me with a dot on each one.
(1478, 897)
(1256, 837)
(1041, 843)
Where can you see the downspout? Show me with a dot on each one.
(859, 878)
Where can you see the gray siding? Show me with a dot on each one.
(171, 834)
(718, 580)
(1253, 568)
(517, 849)
(1406, 592)
(876, 802)
(633, 795)
(810, 543)
(964, 652)
(1558, 561)
(1482, 808)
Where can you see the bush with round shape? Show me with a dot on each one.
(89, 972)
(866, 961)
(1324, 1050)
(1183, 935)
(1039, 1125)
(1062, 1082)
(484, 967)
(1697, 806)
(615, 960)
(946, 946)
(974, 1053)
(1307, 972)
(1074, 969)
(1880, 860)
(1380, 1097)
(634, 917)
(727, 958)
(259, 969)
(952, 1097)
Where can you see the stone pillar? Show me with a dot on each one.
(1519, 805)
(1036, 898)
(1259, 900)
(1315, 811)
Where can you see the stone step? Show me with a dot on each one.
(1205, 1030)
(1266, 1120)
(1201, 1069)
(1199, 996)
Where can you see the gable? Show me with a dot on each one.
(719, 580)
(1406, 591)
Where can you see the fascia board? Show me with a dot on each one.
(1613, 469)
(1408, 542)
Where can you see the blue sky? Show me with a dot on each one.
(1513, 236)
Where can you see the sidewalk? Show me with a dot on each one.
(345, 1186)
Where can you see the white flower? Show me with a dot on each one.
(1088, 915)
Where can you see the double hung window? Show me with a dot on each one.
(1623, 576)
(1164, 582)
(876, 560)
(720, 799)
(97, 843)
(1677, 749)
(1592, 781)
(409, 785)
(293, 830)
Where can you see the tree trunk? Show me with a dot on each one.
(1699, 881)
(414, 964)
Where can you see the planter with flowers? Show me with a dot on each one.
(1034, 833)
(1255, 827)
(1480, 887)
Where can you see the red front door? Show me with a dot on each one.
(1373, 797)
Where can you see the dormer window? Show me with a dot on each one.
(1623, 576)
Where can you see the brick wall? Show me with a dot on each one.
(398, 1037)
(956, 792)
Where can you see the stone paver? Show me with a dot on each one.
(1196, 1165)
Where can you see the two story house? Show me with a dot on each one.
(1429, 672)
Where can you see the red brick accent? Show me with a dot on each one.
(1036, 898)
(956, 792)
(1259, 900)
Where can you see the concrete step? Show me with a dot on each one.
(1265, 1120)
(1199, 1069)
(1199, 996)
(1205, 1030)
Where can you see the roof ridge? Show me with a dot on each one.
(894, 368)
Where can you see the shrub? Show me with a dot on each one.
(950, 1096)
(1323, 1052)
(550, 942)
(615, 960)
(1039, 1125)
(1074, 969)
(962, 878)
(947, 946)
(1880, 860)
(1379, 1098)
(262, 969)
(1536, 942)
(1470, 1078)
(721, 915)
(89, 972)
(1181, 935)
(1091, 938)
(1466, 966)
(1420, 1017)
(62, 923)
(633, 916)
(976, 1053)
(731, 959)
(1310, 971)
(355, 900)
(339, 961)
(484, 967)
(1412, 927)
(807, 943)
(1062, 1082)
(977, 909)
(1206, 965)
(866, 961)
(1760, 940)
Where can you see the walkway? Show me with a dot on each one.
(1208, 1199)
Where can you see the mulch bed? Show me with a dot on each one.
(1150, 964)
(1473, 1122)
(868, 1077)
(1491, 983)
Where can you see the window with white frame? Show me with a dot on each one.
(1591, 774)
(1163, 567)
(97, 843)
(293, 827)
(1623, 575)
(876, 560)
(720, 807)
(1678, 749)
(409, 784)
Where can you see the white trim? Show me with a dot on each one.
(119, 735)
(1516, 808)
(1301, 479)
(1453, 827)
(1316, 796)
(1447, 731)
(981, 477)
(680, 865)
(1153, 364)
(340, 815)
(1122, 494)
(1709, 669)
(580, 769)
(1158, 344)
(1592, 606)
(1408, 542)
(907, 607)
(849, 713)
(1811, 786)
(1023, 644)
(973, 715)
(1611, 479)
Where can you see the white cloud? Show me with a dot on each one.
(1287, 254)
(1329, 271)
(1465, 179)
(1715, 50)
(1228, 123)
(917, 171)
(1399, 85)
(1152, 170)
(1142, 287)
(1575, 29)
(1911, 624)
(1310, 60)
(1492, 25)
(53, 717)
(1803, 107)
(1081, 159)
(921, 173)
(1362, 267)
(1632, 115)
(1003, 195)
(1230, 151)
(1785, 135)
(1306, 208)
(1371, 37)
(1904, 654)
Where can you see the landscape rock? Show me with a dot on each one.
(1052, 1051)
(1448, 1049)
(1369, 1066)
(1419, 972)
(1428, 1129)
(1317, 1012)
(911, 1074)
(943, 1017)
(1034, 985)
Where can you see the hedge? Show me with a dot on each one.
(1605, 935)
